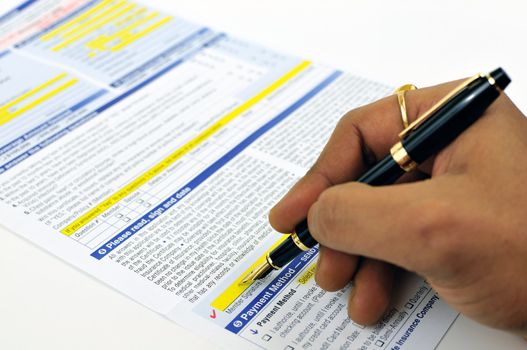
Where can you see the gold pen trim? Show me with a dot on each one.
(298, 242)
(492, 82)
(399, 153)
(416, 123)
(401, 157)
(270, 262)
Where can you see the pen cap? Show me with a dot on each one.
(501, 78)
(453, 117)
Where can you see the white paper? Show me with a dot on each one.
(147, 151)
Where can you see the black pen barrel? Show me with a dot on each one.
(386, 172)
(451, 119)
(284, 253)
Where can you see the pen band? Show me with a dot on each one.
(298, 242)
(401, 157)
(270, 262)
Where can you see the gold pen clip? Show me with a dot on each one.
(416, 123)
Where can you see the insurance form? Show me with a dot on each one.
(147, 151)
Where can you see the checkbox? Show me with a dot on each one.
(409, 305)
(119, 215)
(126, 219)
(379, 343)
(266, 337)
(146, 204)
(289, 347)
(140, 201)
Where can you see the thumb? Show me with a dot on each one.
(409, 225)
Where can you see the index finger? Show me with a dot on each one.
(361, 138)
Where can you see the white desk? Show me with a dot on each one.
(46, 304)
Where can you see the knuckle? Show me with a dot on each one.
(348, 116)
(351, 121)
(352, 124)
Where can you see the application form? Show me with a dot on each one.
(147, 151)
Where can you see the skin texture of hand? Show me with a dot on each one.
(460, 221)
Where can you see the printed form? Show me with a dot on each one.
(147, 151)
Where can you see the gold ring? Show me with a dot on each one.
(402, 102)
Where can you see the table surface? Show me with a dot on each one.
(47, 304)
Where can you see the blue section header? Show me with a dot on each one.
(287, 274)
(129, 231)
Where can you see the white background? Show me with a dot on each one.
(46, 304)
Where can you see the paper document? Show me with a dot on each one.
(147, 151)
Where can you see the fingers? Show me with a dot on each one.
(372, 284)
(362, 137)
(334, 269)
(405, 224)
(370, 296)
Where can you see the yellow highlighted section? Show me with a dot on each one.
(119, 40)
(77, 20)
(92, 29)
(229, 295)
(6, 115)
(186, 148)
(306, 276)
(108, 27)
(96, 19)
(134, 15)
(130, 38)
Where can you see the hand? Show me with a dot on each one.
(460, 221)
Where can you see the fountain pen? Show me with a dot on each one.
(427, 135)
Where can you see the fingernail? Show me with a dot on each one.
(351, 300)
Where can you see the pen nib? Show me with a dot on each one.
(257, 273)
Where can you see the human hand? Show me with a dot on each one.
(460, 221)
